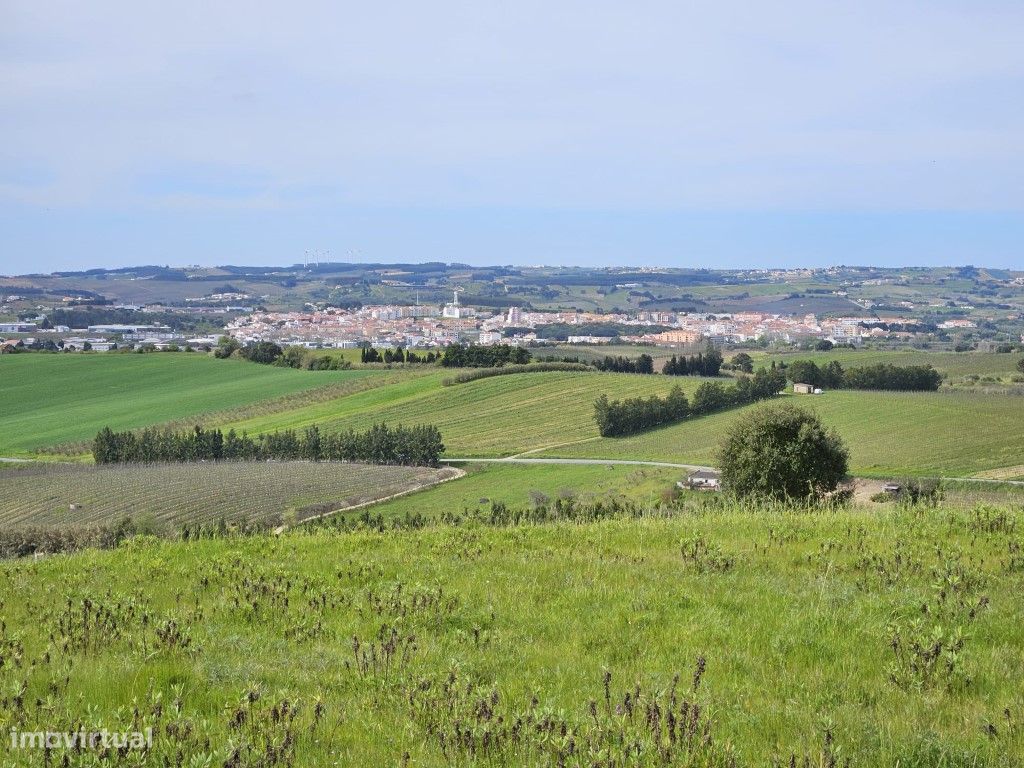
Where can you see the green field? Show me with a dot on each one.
(56, 399)
(52, 399)
(499, 416)
(174, 494)
(426, 647)
(512, 484)
(888, 433)
(955, 364)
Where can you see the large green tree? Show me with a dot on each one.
(782, 452)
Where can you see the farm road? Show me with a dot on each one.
(690, 467)
(625, 462)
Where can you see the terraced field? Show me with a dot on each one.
(491, 417)
(950, 434)
(59, 495)
(51, 399)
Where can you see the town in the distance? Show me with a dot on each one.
(431, 306)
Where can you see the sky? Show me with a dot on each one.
(712, 134)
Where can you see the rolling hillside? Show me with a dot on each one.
(492, 417)
(173, 494)
(51, 399)
(58, 399)
(888, 433)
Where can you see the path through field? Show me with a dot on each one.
(693, 467)
(622, 462)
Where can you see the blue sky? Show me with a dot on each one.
(714, 134)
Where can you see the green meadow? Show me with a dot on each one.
(941, 433)
(498, 416)
(52, 399)
(715, 635)
(518, 485)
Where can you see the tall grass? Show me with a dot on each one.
(712, 635)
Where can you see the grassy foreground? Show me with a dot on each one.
(802, 635)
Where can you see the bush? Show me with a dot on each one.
(265, 352)
(782, 453)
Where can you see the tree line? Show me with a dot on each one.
(706, 363)
(380, 444)
(637, 414)
(399, 355)
(478, 356)
(621, 364)
(832, 375)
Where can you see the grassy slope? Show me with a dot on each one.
(194, 493)
(512, 483)
(888, 433)
(49, 399)
(491, 417)
(954, 363)
(795, 635)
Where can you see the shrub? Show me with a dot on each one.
(784, 453)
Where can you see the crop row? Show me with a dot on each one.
(193, 493)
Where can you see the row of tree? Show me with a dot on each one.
(621, 364)
(637, 414)
(832, 375)
(706, 363)
(381, 444)
(478, 356)
(371, 355)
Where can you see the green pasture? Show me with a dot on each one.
(425, 647)
(516, 485)
(949, 434)
(51, 399)
(498, 416)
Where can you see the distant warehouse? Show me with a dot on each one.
(123, 329)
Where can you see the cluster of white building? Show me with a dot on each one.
(432, 326)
